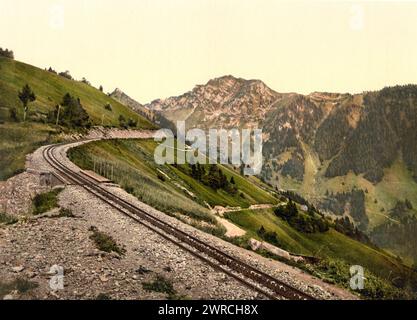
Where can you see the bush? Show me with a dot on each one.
(108, 107)
(270, 236)
(103, 296)
(85, 81)
(65, 213)
(19, 284)
(160, 284)
(132, 123)
(6, 53)
(66, 75)
(129, 189)
(105, 242)
(51, 70)
(7, 219)
(122, 121)
(13, 114)
(45, 201)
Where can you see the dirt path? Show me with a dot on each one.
(232, 230)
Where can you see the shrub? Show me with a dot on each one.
(85, 81)
(51, 70)
(6, 53)
(105, 242)
(122, 121)
(66, 75)
(108, 107)
(132, 123)
(13, 114)
(103, 296)
(45, 201)
(7, 219)
(160, 284)
(19, 284)
(270, 236)
(23, 285)
(65, 213)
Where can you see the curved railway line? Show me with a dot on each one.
(246, 274)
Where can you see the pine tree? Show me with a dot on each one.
(73, 113)
(26, 96)
(232, 180)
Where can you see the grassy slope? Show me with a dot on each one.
(19, 139)
(135, 170)
(138, 156)
(50, 88)
(331, 244)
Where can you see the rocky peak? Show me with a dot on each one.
(123, 98)
(226, 102)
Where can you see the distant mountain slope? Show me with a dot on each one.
(124, 99)
(224, 102)
(349, 154)
(50, 89)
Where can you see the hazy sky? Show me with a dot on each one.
(158, 48)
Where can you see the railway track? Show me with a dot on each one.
(246, 274)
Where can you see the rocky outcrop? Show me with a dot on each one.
(261, 245)
(124, 99)
(225, 102)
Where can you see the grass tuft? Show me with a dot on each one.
(105, 242)
(45, 201)
(65, 213)
(103, 296)
(19, 284)
(160, 284)
(7, 219)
